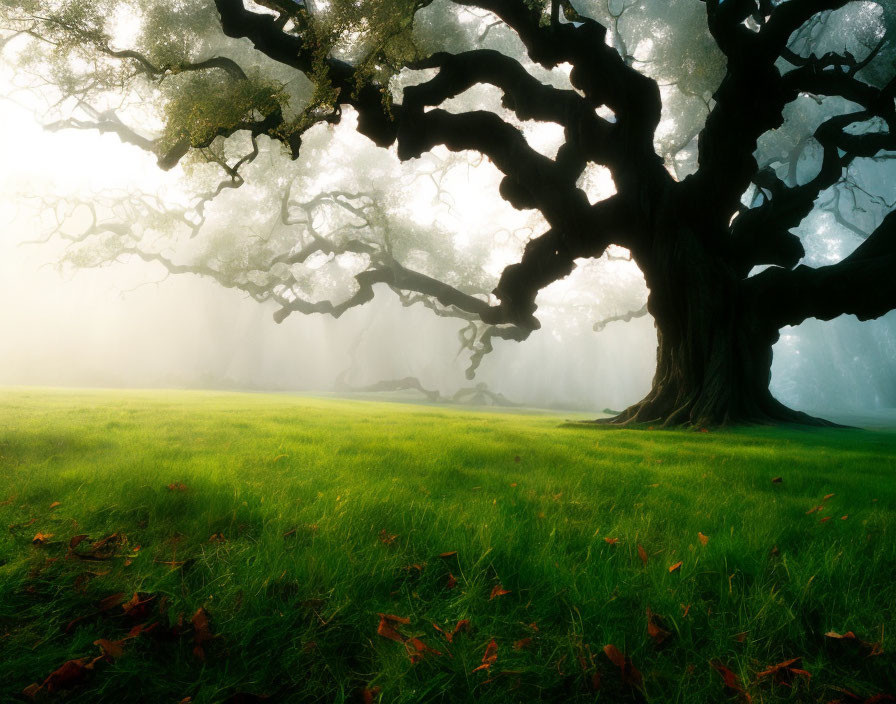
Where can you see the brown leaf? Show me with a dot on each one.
(685, 610)
(55, 504)
(704, 539)
(828, 496)
(452, 582)
(732, 681)
(112, 649)
(654, 630)
(111, 601)
(675, 567)
(68, 675)
(784, 672)
(522, 644)
(417, 650)
(386, 629)
(177, 486)
(462, 625)
(775, 669)
(490, 657)
(387, 538)
(369, 695)
(825, 519)
(615, 655)
(498, 590)
(138, 608)
(217, 538)
(41, 538)
(76, 541)
(452, 553)
(32, 690)
(777, 480)
(814, 509)
(642, 553)
(611, 541)
(201, 632)
(630, 674)
(741, 637)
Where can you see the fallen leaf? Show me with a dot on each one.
(462, 625)
(448, 554)
(55, 504)
(871, 649)
(704, 539)
(685, 610)
(217, 538)
(490, 656)
(498, 590)
(369, 695)
(655, 630)
(825, 519)
(828, 496)
(522, 644)
(452, 582)
(740, 637)
(777, 480)
(41, 538)
(630, 674)
(76, 541)
(611, 541)
(417, 650)
(112, 649)
(732, 681)
(177, 486)
(137, 608)
(814, 509)
(111, 601)
(642, 553)
(675, 567)
(68, 675)
(387, 538)
(201, 632)
(784, 672)
(386, 629)
(843, 518)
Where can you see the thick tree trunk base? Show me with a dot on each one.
(651, 413)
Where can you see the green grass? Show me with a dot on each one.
(296, 617)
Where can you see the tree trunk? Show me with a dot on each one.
(714, 353)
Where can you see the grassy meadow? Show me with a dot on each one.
(210, 547)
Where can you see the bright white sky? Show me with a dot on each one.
(112, 327)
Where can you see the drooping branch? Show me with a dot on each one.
(623, 317)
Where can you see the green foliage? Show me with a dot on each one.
(300, 489)
(200, 106)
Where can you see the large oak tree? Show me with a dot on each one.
(773, 119)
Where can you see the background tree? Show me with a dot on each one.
(730, 129)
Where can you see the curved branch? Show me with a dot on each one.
(862, 284)
(624, 318)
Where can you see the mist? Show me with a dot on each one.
(128, 323)
(131, 325)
